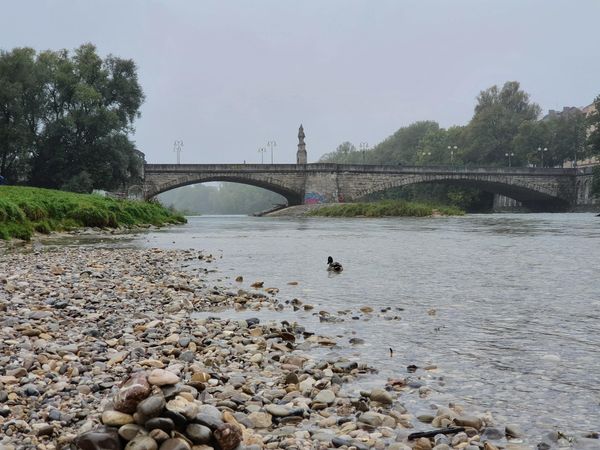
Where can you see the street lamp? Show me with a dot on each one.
(452, 150)
(509, 156)
(364, 146)
(262, 151)
(542, 151)
(424, 154)
(271, 144)
(178, 148)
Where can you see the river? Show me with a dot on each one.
(516, 326)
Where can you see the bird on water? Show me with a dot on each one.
(333, 266)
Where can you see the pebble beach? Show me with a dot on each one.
(99, 349)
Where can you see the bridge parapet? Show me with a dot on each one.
(365, 168)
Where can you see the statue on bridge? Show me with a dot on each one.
(301, 154)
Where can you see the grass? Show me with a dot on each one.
(25, 210)
(386, 208)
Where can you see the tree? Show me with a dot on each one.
(593, 123)
(562, 134)
(345, 153)
(567, 136)
(498, 115)
(532, 135)
(402, 147)
(21, 103)
(441, 146)
(62, 115)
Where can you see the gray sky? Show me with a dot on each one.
(226, 76)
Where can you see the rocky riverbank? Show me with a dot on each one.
(98, 349)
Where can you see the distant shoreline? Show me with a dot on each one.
(389, 208)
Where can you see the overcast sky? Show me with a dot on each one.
(227, 76)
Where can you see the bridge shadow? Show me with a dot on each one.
(532, 200)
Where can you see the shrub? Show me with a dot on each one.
(42, 227)
(10, 212)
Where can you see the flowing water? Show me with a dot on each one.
(516, 329)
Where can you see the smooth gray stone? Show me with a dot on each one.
(198, 434)
(162, 423)
(208, 421)
(152, 406)
(338, 442)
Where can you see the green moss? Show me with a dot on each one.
(24, 210)
(385, 208)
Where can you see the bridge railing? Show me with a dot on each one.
(369, 168)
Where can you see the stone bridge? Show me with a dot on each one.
(539, 189)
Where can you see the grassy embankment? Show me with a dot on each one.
(386, 208)
(25, 210)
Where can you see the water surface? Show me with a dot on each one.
(516, 329)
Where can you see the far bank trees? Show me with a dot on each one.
(506, 128)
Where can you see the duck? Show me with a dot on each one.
(333, 266)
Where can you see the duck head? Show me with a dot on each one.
(329, 260)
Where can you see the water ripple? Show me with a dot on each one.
(516, 329)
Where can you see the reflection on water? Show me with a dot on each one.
(516, 328)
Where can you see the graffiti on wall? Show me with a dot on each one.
(311, 198)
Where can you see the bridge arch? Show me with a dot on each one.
(535, 196)
(154, 188)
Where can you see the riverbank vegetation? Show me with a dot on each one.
(25, 210)
(386, 208)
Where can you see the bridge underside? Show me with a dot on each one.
(531, 199)
(293, 198)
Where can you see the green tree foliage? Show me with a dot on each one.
(403, 147)
(345, 153)
(21, 104)
(562, 134)
(499, 114)
(593, 122)
(567, 136)
(63, 114)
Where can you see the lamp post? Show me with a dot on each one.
(178, 148)
(424, 154)
(262, 151)
(364, 146)
(542, 151)
(452, 149)
(271, 144)
(509, 156)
